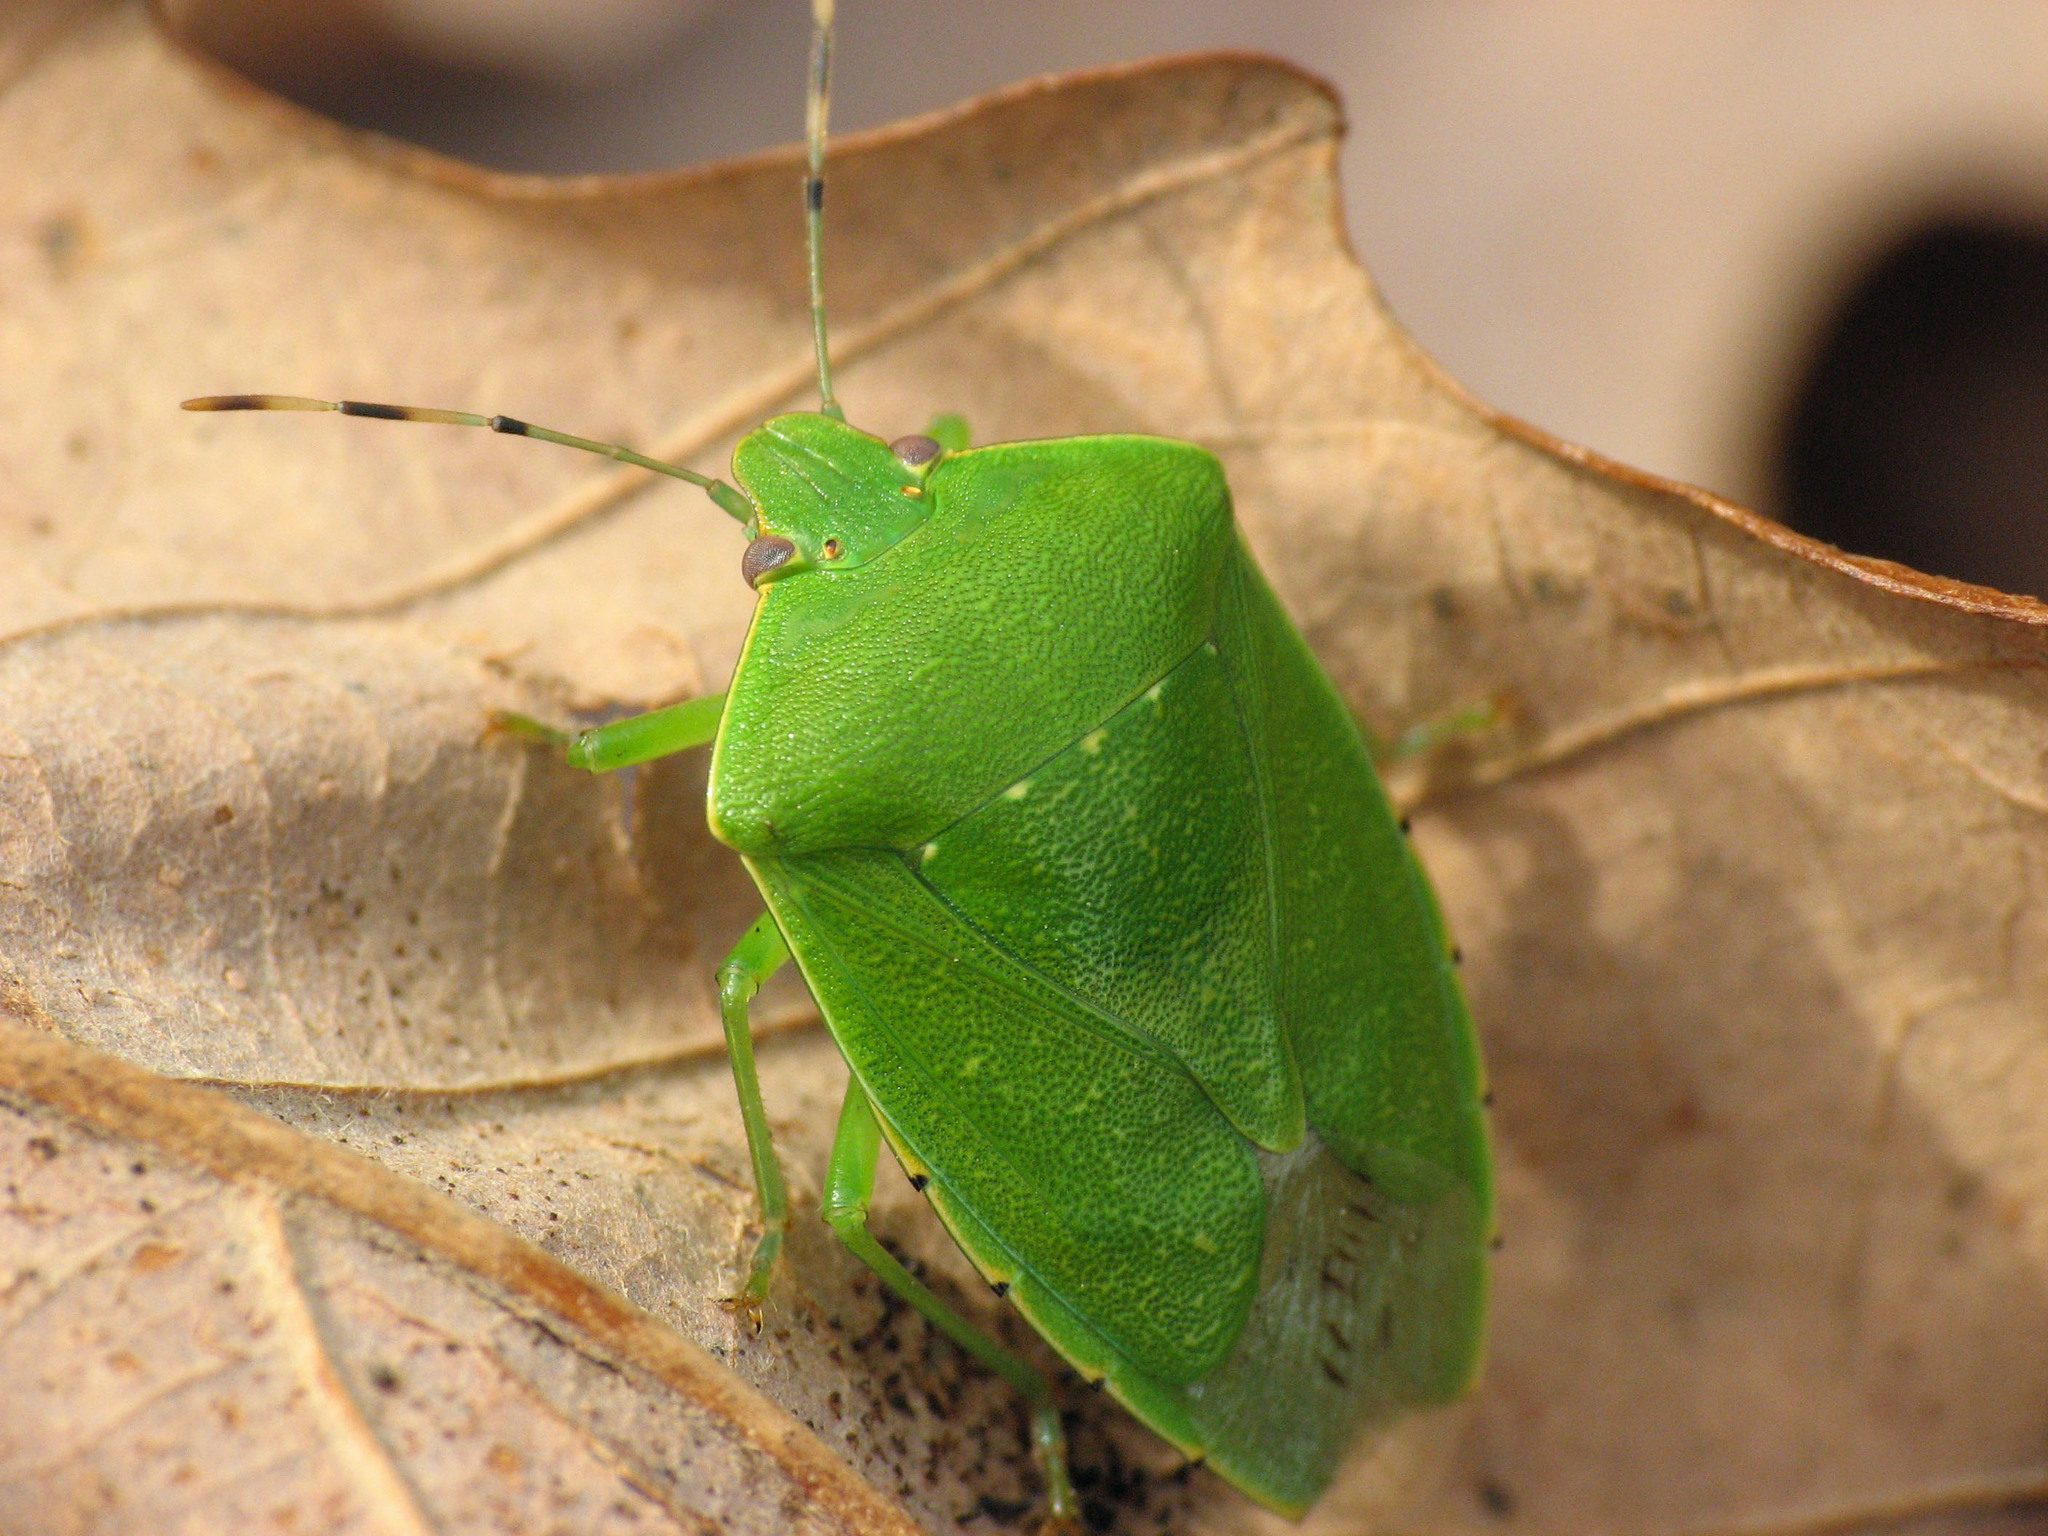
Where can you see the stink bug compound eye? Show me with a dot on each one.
(1195, 1090)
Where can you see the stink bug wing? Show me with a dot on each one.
(1389, 1062)
(1341, 1337)
(1094, 1171)
(1236, 800)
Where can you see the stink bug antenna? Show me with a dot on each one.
(817, 108)
(728, 499)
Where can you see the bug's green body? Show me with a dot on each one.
(1091, 877)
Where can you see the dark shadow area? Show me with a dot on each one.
(1918, 430)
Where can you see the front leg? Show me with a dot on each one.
(622, 743)
(757, 956)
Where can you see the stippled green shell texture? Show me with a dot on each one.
(1088, 870)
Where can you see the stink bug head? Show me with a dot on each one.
(828, 496)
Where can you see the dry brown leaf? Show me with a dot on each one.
(1749, 895)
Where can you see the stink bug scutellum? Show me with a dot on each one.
(1132, 965)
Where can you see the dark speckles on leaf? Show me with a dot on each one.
(64, 240)
(1495, 1498)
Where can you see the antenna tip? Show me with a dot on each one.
(821, 11)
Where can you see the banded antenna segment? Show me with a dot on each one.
(817, 108)
(728, 499)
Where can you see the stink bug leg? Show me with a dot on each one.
(757, 956)
(622, 743)
(849, 1188)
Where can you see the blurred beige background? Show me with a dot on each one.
(1630, 224)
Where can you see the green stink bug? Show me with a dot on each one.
(1088, 871)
